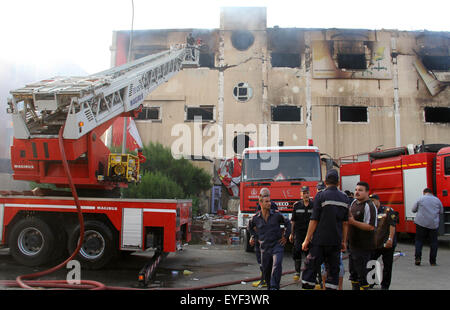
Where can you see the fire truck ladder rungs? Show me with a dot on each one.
(84, 103)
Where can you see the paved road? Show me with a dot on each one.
(210, 264)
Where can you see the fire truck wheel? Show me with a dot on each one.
(98, 246)
(32, 242)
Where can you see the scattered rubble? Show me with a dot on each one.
(215, 229)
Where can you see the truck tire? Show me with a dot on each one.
(98, 247)
(32, 242)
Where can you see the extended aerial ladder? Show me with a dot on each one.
(85, 107)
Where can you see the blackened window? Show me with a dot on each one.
(288, 60)
(206, 60)
(437, 115)
(352, 61)
(149, 113)
(353, 114)
(286, 113)
(206, 113)
(438, 63)
(242, 39)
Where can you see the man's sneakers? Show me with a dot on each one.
(261, 283)
(417, 262)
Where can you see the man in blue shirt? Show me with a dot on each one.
(428, 209)
(327, 231)
(272, 230)
(264, 192)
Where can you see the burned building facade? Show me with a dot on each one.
(347, 90)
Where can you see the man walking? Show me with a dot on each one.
(273, 230)
(428, 209)
(327, 232)
(362, 220)
(299, 222)
(264, 192)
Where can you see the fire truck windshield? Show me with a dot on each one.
(282, 166)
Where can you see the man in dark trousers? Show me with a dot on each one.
(273, 230)
(385, 239)
(299, 223)
(327, 232)
(362, 221)
(264, 192)
(428, 209)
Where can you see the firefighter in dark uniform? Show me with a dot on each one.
(273, 230)
(327, 233)
(264, 192)
(385, 239)
(299, 223)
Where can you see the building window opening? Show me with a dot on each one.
(438, 63)
(352, 61)
(240, 142)
(206, 113)
(286, 113)
(242, 39)
(207, 60)
(149, 113)
(287, 60)
(353, 114)
(242, 92)
(437, 115)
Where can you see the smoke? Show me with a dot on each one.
(14, 75)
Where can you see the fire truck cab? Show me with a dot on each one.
(283, 170)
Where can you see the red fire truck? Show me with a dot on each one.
(283, 170)
(399, 176)
(58, 126)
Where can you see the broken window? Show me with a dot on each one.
(353, 114)
(242, 92)
(286, 113)
(289, 60)
(205, 112)
(351, 55)
(439, 63)
(437, 115)
(352, 61)
(149, 113)
(206, 60)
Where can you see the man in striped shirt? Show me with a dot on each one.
(362, 221)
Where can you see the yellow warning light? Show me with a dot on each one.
(80, 124)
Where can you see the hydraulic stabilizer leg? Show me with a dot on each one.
(147, 272)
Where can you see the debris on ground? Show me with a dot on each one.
(215, 229)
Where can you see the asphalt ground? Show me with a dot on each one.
(198, 265)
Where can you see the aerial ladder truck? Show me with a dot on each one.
(59, 123)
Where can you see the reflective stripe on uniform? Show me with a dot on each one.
(334, 203)
(332, 286)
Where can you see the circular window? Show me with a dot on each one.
(240, 142)
(242, 39)
(242, 92)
